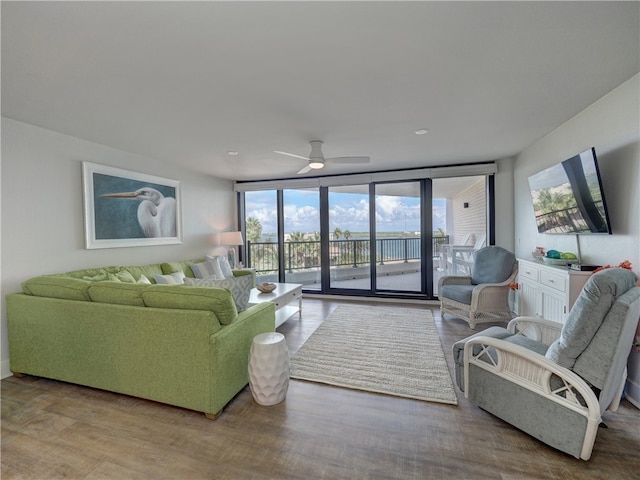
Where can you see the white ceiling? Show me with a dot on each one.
(187, 82)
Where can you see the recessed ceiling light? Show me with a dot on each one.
(422, 131)
(232, 152)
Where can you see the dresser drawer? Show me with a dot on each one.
(529, 272)
(557, 282)
(287, 298)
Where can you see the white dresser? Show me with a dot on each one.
(547, 291)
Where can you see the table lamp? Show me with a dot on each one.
(231, 239)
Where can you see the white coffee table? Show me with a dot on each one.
(284, 297)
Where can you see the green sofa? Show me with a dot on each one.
(181, 345)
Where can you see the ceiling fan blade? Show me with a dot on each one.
(291, 155)
(304, 170)
(349, 160)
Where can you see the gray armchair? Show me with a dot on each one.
(555, 381)
(484, 295)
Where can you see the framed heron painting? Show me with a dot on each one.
(128, 209)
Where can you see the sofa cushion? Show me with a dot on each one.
(118, 292)
(240, 287)
(58, 286)
(176, 278)
(216, 300)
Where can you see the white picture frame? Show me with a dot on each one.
(129, 209)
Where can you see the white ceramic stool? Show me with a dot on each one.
(269, 368)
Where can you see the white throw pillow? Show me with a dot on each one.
(176, 278)
(223, 264)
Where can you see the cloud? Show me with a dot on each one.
(393, 214)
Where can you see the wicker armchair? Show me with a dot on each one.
(483, 296)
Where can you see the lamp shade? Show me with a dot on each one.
(231, 238)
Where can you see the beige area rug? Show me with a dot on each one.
(389, 350)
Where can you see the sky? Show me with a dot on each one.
(347, 211)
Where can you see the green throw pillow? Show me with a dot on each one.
(118, 292)
(216, 300)
(122, 276)
(184, 266)
(58, 287)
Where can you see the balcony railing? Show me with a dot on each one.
(305, 255)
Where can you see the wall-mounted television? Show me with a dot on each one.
(568, 197)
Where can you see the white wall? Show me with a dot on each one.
(473, 218)
(42, 209)
(612, 126)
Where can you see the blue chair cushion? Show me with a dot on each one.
(492, 265)
(459, 293)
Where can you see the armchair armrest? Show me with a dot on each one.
(454, 280)
(533, 372)
(536, 328)
(489, 295)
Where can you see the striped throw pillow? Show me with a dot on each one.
(204, 269)
(171, 279)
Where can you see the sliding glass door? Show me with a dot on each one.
(301, 219)
(261, 234)
(349, 238)
(398, 233)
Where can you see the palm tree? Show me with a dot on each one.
(254, 230)
(296, 248)
(337, 233)
(296, 237)
(346, 234)
(263, 258)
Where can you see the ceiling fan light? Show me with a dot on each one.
(316, 164)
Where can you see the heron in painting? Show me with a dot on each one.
(156, 213)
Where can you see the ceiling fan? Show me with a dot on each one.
(316, 158)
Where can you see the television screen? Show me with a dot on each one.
(568, 197)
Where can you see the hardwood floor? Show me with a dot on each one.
(52, 430)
